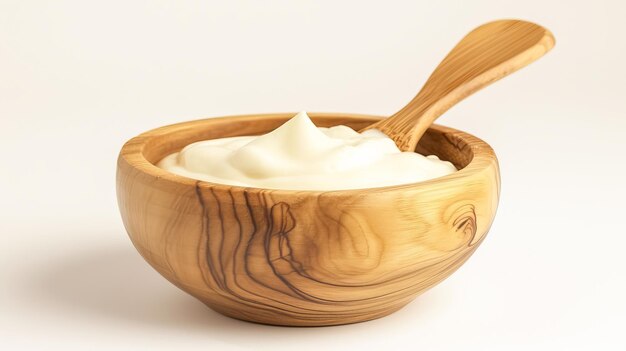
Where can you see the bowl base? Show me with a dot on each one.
(291, 321)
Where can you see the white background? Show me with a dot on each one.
(78, 78)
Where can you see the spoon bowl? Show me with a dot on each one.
(304, 258)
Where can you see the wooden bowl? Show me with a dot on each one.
(304, 258)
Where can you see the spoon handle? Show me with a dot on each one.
(488, 53)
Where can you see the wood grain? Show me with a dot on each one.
(487, 54)
(304, 258)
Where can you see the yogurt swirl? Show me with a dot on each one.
(300, 156)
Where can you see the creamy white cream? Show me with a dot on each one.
(300, 156)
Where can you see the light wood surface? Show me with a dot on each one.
(488, 53)
(304, 258)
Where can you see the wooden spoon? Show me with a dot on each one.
(488, 53)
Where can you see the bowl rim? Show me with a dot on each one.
(483, 157)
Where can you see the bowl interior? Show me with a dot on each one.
(448, 144)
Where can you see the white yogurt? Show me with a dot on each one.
(300, 156)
